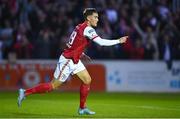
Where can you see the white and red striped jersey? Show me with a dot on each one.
(79, 40)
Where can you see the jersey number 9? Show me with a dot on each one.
(72, 37)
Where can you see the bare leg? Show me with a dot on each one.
(85, 87)
(84, 91)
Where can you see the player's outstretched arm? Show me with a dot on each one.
(90, 33)
(107, 42)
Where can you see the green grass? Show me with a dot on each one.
(110, 105)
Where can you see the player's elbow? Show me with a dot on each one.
(98, 41)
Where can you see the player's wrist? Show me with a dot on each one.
(120, 40)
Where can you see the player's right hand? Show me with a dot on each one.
(123, 39)
(85, 58)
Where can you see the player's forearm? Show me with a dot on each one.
(106, 42)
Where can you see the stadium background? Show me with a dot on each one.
(33, 33)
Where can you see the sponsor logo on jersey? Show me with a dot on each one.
(90, 31)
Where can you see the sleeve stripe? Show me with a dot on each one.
(95, 37)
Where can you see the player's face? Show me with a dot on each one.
(93, 19)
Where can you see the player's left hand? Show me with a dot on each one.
(123, 39)
(86, 58)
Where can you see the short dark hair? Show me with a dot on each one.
(89, 11)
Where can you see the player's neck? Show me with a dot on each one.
(87, 23)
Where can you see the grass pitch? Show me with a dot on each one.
(106, 105)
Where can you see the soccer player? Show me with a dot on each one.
(70, 63)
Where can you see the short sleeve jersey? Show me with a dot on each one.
(79, 40)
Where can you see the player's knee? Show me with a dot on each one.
(87, 80)
(55, 84)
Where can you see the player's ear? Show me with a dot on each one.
(88, 18)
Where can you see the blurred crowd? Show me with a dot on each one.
(39, 29)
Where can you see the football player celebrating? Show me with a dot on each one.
(70, 60)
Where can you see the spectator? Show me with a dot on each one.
(137, 53)
(166, 50)
(23, 48)
(149, 50)
(149, 19)
(43, 44)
